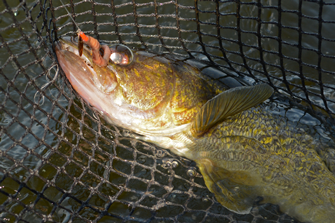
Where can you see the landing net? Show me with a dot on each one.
(60, 162)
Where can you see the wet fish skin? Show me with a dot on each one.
(242, 152)
(253, 154)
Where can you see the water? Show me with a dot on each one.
(61, 146)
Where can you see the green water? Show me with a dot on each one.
(60, 146)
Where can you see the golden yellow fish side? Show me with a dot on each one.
(251, 154)
(162, 88)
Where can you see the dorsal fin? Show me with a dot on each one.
(227, 104)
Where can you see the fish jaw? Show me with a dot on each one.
(80, 76)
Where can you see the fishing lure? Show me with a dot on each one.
(102, 54)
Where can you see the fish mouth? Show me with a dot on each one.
(79, 72)
(70, 44)
(66, 49)
(66, 43)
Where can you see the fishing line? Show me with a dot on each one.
(69, 14)
(38, 98)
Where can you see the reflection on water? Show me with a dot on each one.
(63, 140)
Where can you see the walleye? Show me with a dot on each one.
(241, 150)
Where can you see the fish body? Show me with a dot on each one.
(241, 150)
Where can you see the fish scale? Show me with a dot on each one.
(286, 165)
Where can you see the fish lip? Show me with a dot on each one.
(66, 42)
(56, 45)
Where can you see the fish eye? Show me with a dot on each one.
(121, 54)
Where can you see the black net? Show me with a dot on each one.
(60, 162)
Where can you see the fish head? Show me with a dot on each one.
(151, 95)
(67, 52)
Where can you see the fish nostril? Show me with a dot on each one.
(88, 64)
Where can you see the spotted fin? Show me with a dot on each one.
(234, 190)
(227, 104)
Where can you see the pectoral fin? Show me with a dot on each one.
(228, 103)
(232, 194)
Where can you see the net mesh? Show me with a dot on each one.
(59, 162)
